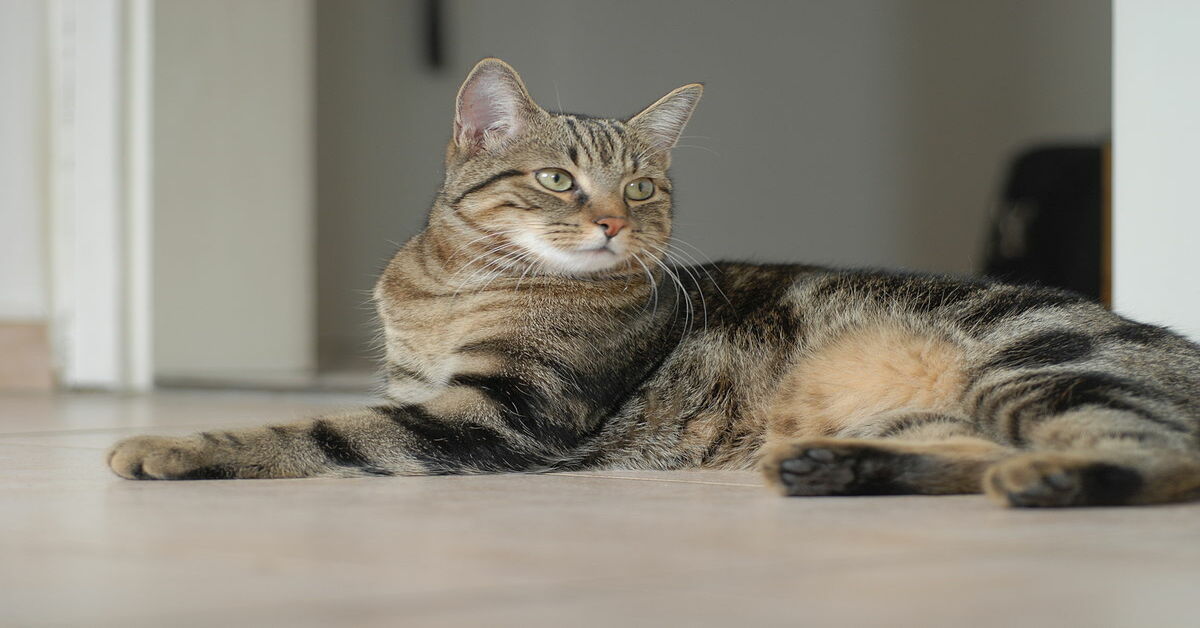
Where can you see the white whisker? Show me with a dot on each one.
(698, 146)
(653, 284)
(716, 286)
(688, 309)
(695, 280)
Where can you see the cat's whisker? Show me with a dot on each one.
(527, 269)
(687, 299)
(716, 286)
(458, 251)
(677, 240)
(695, 280)
(653, 284)
(487, 268)
(704, 148)
(538, 266)
(461, 248)
(699, 290)
(504, 264)
(480, 257)
(509, 263)
(690, 260)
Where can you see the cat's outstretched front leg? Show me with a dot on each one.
(386, 440)
(344, 445)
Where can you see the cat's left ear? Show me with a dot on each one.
(492, 107)
(663, 121)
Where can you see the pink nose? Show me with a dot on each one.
(612, 226)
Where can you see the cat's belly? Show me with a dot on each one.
(864, 375)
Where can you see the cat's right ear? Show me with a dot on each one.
(492, 107)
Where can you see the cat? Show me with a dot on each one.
(537, 325)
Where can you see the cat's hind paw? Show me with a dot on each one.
(832, 467)
(1056, 480)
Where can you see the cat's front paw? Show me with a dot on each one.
(164, 458)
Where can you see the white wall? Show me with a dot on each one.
(88, 214)
(233, 189)
(1156, 162)
(858, 132)
(23, 105)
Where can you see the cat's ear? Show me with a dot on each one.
(662, 123)
(492, 107)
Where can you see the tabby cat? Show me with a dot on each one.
(537, 325)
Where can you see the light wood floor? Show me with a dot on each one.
(80, 547)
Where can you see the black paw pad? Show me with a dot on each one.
(842, 471)
(1109, 485)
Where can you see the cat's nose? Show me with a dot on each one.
(612, 226)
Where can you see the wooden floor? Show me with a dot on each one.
(80, 547)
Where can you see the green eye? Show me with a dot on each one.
(554, 179)
(639, 190)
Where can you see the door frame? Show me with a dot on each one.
(99, 227)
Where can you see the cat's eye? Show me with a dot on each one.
(554, 179)
(639, 190)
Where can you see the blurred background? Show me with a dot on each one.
(202, 193)
(855, 133)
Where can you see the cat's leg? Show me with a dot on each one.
(508, 409)
(898, 453)
(1098, 457)
(875, 409)
(387, 440)
(345, 445)
(1093, 439)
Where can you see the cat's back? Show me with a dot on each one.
(818, 297)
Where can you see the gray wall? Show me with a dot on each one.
(232, 190)
(858, 132)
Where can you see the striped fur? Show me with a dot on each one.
(521, 338)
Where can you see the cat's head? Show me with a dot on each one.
(528, 190)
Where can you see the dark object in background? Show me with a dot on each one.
(435, 37)
(1049, 229)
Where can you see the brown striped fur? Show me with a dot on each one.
(530, 330)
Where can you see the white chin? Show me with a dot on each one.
(583, 262)
(571, 262)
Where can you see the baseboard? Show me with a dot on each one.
(25, 359)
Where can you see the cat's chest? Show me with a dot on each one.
(428, 342)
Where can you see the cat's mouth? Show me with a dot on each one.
(590, 260)
(582, 260)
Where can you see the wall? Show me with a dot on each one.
(25, 362)
(860, 132)
(1156, 211)
(233, 189)
(23, 293)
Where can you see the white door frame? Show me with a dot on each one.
(181, 218)
(99, 181)
(1155, 133)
